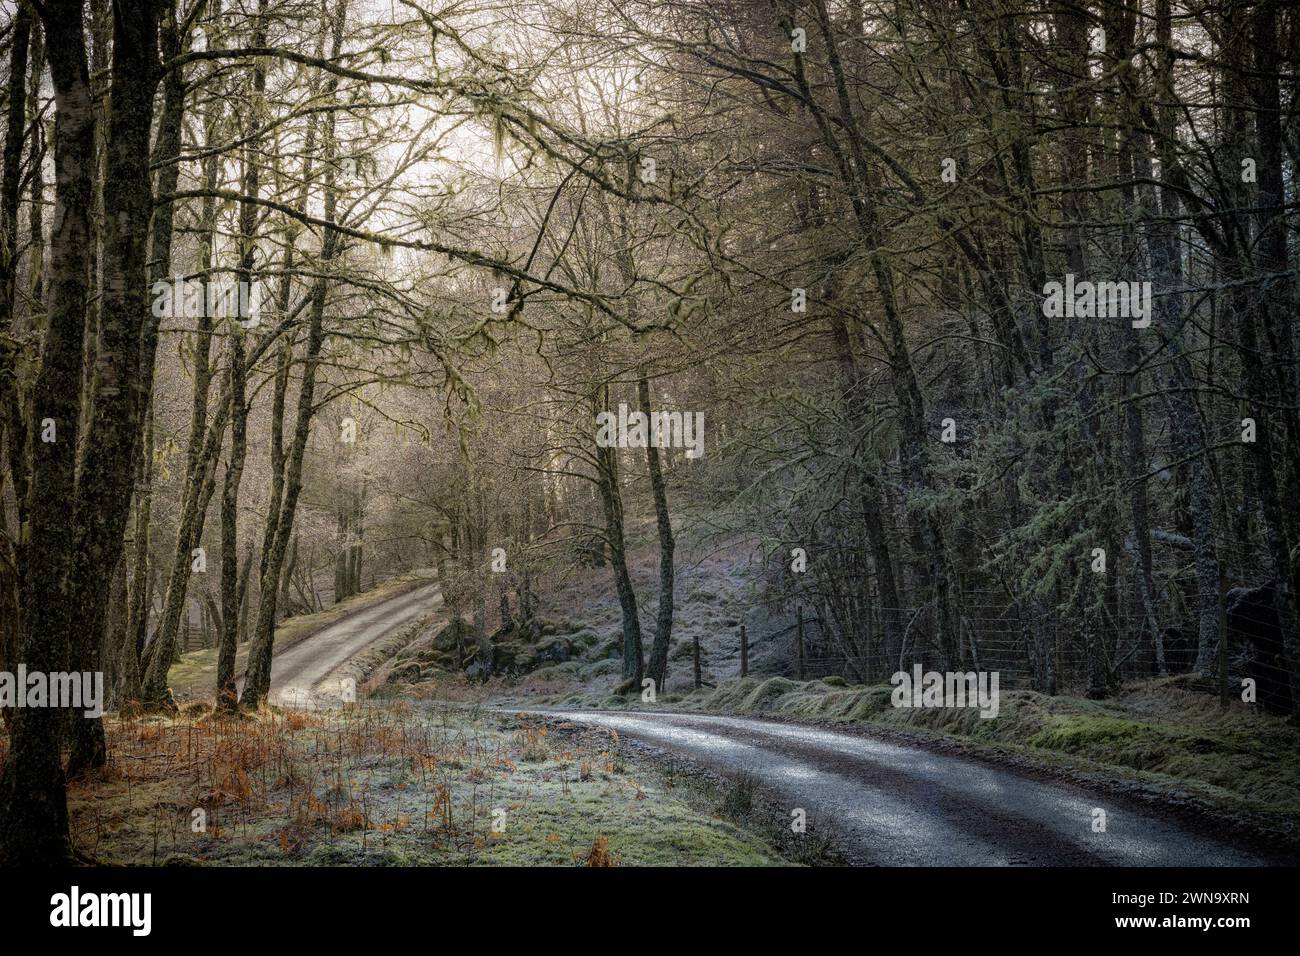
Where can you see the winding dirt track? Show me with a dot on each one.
(894, 805)
(886, 804)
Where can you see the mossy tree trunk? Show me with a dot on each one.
(658, 665)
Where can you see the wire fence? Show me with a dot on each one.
(1045, 651)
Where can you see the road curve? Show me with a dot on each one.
(297, 671)
(895, 805)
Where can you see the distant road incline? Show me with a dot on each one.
(295, 672)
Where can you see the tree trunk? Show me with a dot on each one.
(10, 189)
(120, 386)
(227, 699)
(611, 497)
(658, 666)
(137, 622)
(257, 677)
(33, 802)
(1187, 427)
(204, 440)
(1273, 310)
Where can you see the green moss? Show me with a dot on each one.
(1077, 733)
(1168, 733)
(584, 639)
(599, 669)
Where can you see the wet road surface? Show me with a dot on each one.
(896, 805)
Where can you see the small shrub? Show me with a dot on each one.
(738, 800)
(532, 741)
(600, 855)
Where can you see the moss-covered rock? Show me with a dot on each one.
(584, 640)
(459, 633)
(554, 650)
(597, 670)
(407, 672)
(509, 656)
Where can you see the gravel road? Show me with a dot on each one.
(895, 805)
(295, 672)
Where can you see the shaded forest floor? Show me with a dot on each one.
(391, 784)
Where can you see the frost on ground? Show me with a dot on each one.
(395, 783)
(575, 642)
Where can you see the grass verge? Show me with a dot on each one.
(389, 784)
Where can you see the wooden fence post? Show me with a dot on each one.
(744, 652)
(798, 639)
(696, 650)
(1223, 646)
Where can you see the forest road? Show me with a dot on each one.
(297, 672)
(893, 805)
